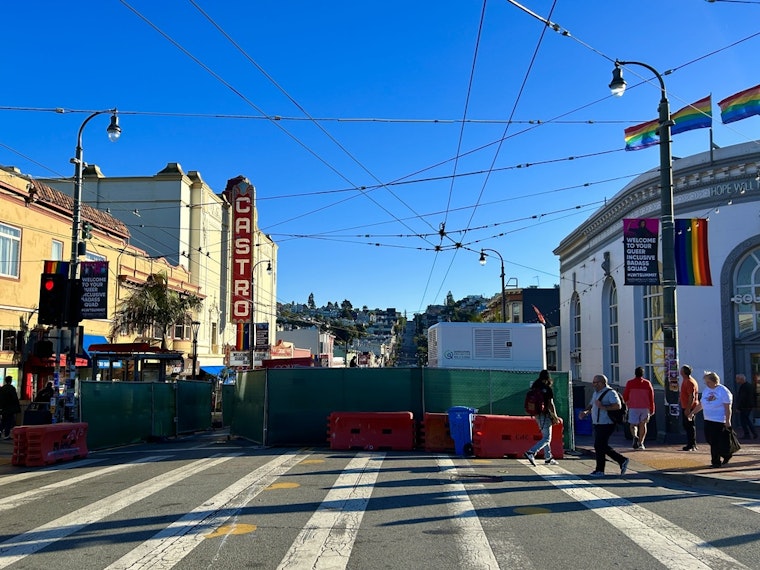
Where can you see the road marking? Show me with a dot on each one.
(753, 506)
(474, 548)
(226, 530)
(18, 547)
(8, 479)
(672, 546)
(167, 547)
(21, 499)
(501, 542)
(327, 539)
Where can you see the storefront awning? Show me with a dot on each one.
(213, 370)
(87, 341)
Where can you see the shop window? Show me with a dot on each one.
(611, 340)
(575, 335)
(653, 345)
(746, 291)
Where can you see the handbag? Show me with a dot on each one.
(733, 441)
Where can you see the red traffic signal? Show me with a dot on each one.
(52, 297)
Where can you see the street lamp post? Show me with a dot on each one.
(483, 257)
(669, 320)
(196, 325)
(114, 131)
(252, 324)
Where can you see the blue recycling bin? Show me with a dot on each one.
(460, 428)
(582, 426)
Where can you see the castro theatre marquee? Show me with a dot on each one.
(609, 327)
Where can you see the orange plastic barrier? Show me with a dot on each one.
(497, 436)
(372, 430)
(34, 446)
(435, 435)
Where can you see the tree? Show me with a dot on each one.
(310, 303)
(154, 304)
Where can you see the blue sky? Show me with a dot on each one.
(358, 198)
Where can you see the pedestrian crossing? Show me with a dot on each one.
(304, 508)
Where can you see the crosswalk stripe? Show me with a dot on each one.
(18, 547)
(474, 548)
(21, 499)
(15, 478)
(167, 547)
(753, 506)
(327, 539)
(672, 546)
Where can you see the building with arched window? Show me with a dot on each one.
(718, 325)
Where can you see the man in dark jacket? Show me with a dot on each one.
(745, 403)
(9, 406)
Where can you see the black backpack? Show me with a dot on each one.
(617, 416)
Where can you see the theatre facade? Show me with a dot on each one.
(609, 327)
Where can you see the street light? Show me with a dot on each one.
(252, 324)
(196, 325)
(483, 256)
(669, 320)
(114, 132)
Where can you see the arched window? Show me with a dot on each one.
(746, 290)
(611, 338)
(575, 336)
(653, 346)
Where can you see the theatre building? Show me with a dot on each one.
(610, 327)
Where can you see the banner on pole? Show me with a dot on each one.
(640, 249)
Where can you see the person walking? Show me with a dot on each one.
(602, 400)
(545, 420)
(46, 394)
(9, 406)
(688, 398)
(639, 397)
(745, 403)
(716, 404)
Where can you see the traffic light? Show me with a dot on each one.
(86, 230)
(52, 298)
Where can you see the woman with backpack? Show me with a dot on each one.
(543, 411)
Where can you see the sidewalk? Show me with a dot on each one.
(741, 475)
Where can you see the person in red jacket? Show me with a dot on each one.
(639, 397)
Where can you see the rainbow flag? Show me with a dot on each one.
(741, 105)
(692, 259)
(59, 267)
(695, 116)
(642, 136)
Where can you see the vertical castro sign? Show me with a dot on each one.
(242, 198)
(94, 289)
(640, 250)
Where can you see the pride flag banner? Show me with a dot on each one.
(741, 105)
(695, 116)
(692, 259)
(59, 267)
(642, 136)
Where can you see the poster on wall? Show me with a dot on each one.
(640, 251)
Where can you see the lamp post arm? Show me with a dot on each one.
(503, 289)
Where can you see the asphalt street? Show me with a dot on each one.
(208, 501)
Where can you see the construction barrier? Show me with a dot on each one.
(434, 433)
(372, 430)
(34, 446)
(498, 436)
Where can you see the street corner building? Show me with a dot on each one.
(611, 323)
